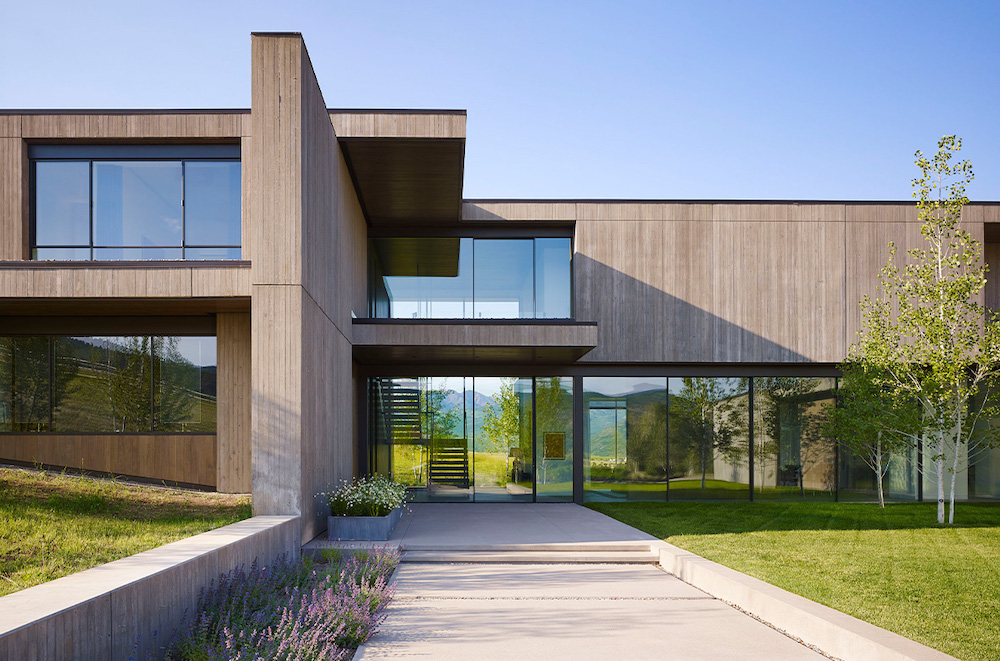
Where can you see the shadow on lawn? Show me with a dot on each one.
(67, 496)
(701, 518)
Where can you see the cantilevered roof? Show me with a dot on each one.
(469, 341)
(407, 165)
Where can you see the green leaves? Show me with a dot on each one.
(927, 343)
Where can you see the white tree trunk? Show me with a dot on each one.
(954, 478)
(939, 471)
(880, 472)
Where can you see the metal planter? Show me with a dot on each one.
(363, 527)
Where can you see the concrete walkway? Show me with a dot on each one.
(557, 609)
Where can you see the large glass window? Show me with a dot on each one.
(554, 439)
(624, 438)
(111, 207)
(25, 384)
(793, 459)
(513, 438)
(709, 444)
(62, 203)
(553, 279)
(503, 279)
(107, 384)
(488, 439)
(465, 278)
(138, 204)
(502, 428)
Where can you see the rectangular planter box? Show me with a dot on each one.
(363, 527)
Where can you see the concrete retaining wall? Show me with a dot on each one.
(101, 612)
(837, 634)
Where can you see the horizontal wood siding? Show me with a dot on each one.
(217, 126)
(470, 335)
(106, 281)
(187, 458)
(398, 125)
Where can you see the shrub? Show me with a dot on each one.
(374, 495)
(288, 611)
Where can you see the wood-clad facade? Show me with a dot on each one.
(658, 287)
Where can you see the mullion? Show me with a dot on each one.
(91, 210)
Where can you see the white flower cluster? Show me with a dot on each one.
(373, 495)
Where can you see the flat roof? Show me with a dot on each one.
(556, 200)
(224, 111)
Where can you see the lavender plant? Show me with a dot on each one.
(288, 611)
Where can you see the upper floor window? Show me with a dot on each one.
(466, 278)
(131, 202)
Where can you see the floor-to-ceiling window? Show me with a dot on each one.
(488, 439)
(467, 278)
(625, 438)
(709, 438)
(793, 457)
(514, 439)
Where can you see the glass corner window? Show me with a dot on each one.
(129, 203)
(467, 278)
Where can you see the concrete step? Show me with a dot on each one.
(533, 557)
(581, 547)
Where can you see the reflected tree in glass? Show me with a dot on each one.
(870, 424)
(177, 398)
(647, 426)
(710, 421)
(501, 428)
(437, 419)
(25, 384)
(790, 446)
(127, 379)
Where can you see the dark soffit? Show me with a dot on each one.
(402, 181)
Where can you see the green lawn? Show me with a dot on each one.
(690, 489)
(52, 524)
(895, 567)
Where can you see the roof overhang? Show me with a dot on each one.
(464, 341)
(407, 165)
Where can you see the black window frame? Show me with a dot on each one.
(518, 231)
(89, 153)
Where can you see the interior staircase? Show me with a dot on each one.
(449, 462)
(401, 403)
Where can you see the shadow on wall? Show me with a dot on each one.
(287, 475)
(642, 323)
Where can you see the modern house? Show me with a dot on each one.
(275, 299)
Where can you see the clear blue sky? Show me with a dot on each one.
(753, 99)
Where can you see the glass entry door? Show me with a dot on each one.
(482, 439)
